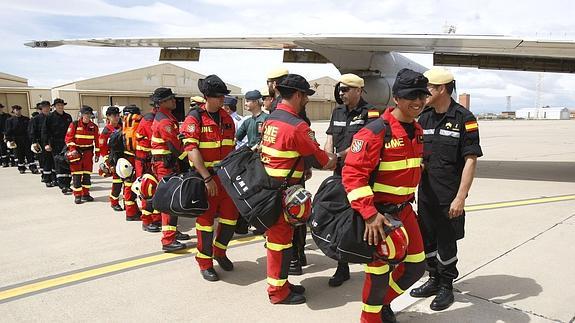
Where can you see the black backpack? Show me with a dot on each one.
(257, 196)
(182, 195)
(116, 146)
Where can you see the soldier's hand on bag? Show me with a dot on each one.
(96, 158)
(456, 208)
(48, 148)
(332, 163)
(212, 187)
(374, 232)
(307, 174)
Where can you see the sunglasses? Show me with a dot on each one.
(344, 89)
(416, 96)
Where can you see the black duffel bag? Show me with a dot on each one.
(256, 195)
(182, 195)
(61, 163)
(335, 227)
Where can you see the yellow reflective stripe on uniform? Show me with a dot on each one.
(219, 245)
(88, 172)
(117, 181)
(71, 144)
(190, 141)
(183, 155)
(84, 146)
(80, 172)
(127, 184)
(373, 114)
(150, 177)
(419, 257)
(282, 172)
(395, 190)
(129, 153)
(142, 148)
(158, 140)
(277, 246)
(359, 193)
(201, 255)
(394, 285)
(400, 164)
(204, 228)
(390, 247)
(228, 222)
(371, 308)
(140, 136)
(376, 270)
(160, 152)
(169, 228)
(276, 282)
(144, 212)
(84, 136)
(228, 142)
(79, 189)
(278, 153)
(114, 197)
(129, 202)
(212, 164)
(86, 186)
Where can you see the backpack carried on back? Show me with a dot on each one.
(129, 128)
(116, 146)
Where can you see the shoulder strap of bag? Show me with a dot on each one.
(386, 139)
(289, 175)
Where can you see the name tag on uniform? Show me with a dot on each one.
(357, 122)
(339, 123)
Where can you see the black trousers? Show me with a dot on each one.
(3, 150)
(46, 161)
(24, 155)
(440, 235)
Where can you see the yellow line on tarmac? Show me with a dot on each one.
(66, 279)
(101, 271)
(489, 206)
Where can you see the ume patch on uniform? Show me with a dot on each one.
(356, 145)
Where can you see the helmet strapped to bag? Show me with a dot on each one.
(124, 168)
(145, 186)
(394, 248)
(73, 155)
(296, 204)
(104, 170)
(35, 148)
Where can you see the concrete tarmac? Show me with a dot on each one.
(65, 262)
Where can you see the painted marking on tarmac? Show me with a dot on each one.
(13, 292)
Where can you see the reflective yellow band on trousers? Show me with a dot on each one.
(277, 246)
(393, 285)
(219, 245)
(278, 153)
(204, 228)
(117, 181)
(169, 228)
(359, 193)
(228, 222)
(395, 190)
(400, 164)
(276, 282)
(158, 140)
(371, 308)
(160, 152)
(190, 141)
(419, 257)
(377, 270)
(201, 255)
(129, 202)
(142, 148)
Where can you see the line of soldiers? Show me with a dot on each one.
(438, 154)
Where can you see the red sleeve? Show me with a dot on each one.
(169, 132)
(97, 140)
(308, 146)
(362, 159)
(103, 142)
(191, 130)
(70, 136)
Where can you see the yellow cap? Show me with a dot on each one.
(438, 76)
(277, 72)
(198, 99)
(351, 80)
(265, 91)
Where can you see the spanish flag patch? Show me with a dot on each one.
(471, 126)
(372, 114)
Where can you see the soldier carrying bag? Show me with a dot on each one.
(257, 196)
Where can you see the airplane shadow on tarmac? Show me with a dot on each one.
(478, 296)
(527, 170)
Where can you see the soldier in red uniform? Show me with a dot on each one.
(209, 133)
(131, 116)
(397, 163)
(82, 137)
(151, 219)
(112, 124)
(167, 152)
(286, 140)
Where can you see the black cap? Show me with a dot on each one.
(38, 106)
(43, 104)
(162, 94)
(16, 107)
(86, 110)
(408, 82)
(131, 109)
(230, 100)
(112, 110)
(213, 86)
(296, 82)
(58, 100)
(1, 105)
(253, 95)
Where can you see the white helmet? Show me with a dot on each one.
(11, 144)
(124, 168)
(36, 148)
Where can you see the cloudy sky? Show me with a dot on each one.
(25, 20)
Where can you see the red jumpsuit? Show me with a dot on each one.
(398, 167)
(132, 210)
(285, 138)
(114, 196)
(215, 140)
(166, 151)
(82, 137)
(144, 163)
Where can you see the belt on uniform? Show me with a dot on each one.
(391, 209)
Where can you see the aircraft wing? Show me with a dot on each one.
(494, 52)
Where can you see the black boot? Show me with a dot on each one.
(295, 268)
(298, 289)
(210, 274)
(152, 227)
(117, 207)
(49, 184)
(340, 276)
(429, 288)
(174, 246)
(443, 299)
(225, 263)
(387, 315)
(241, 226)
(87, 198)
(78, 200)
(182, 236)
(302, 258)
(293, 299)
